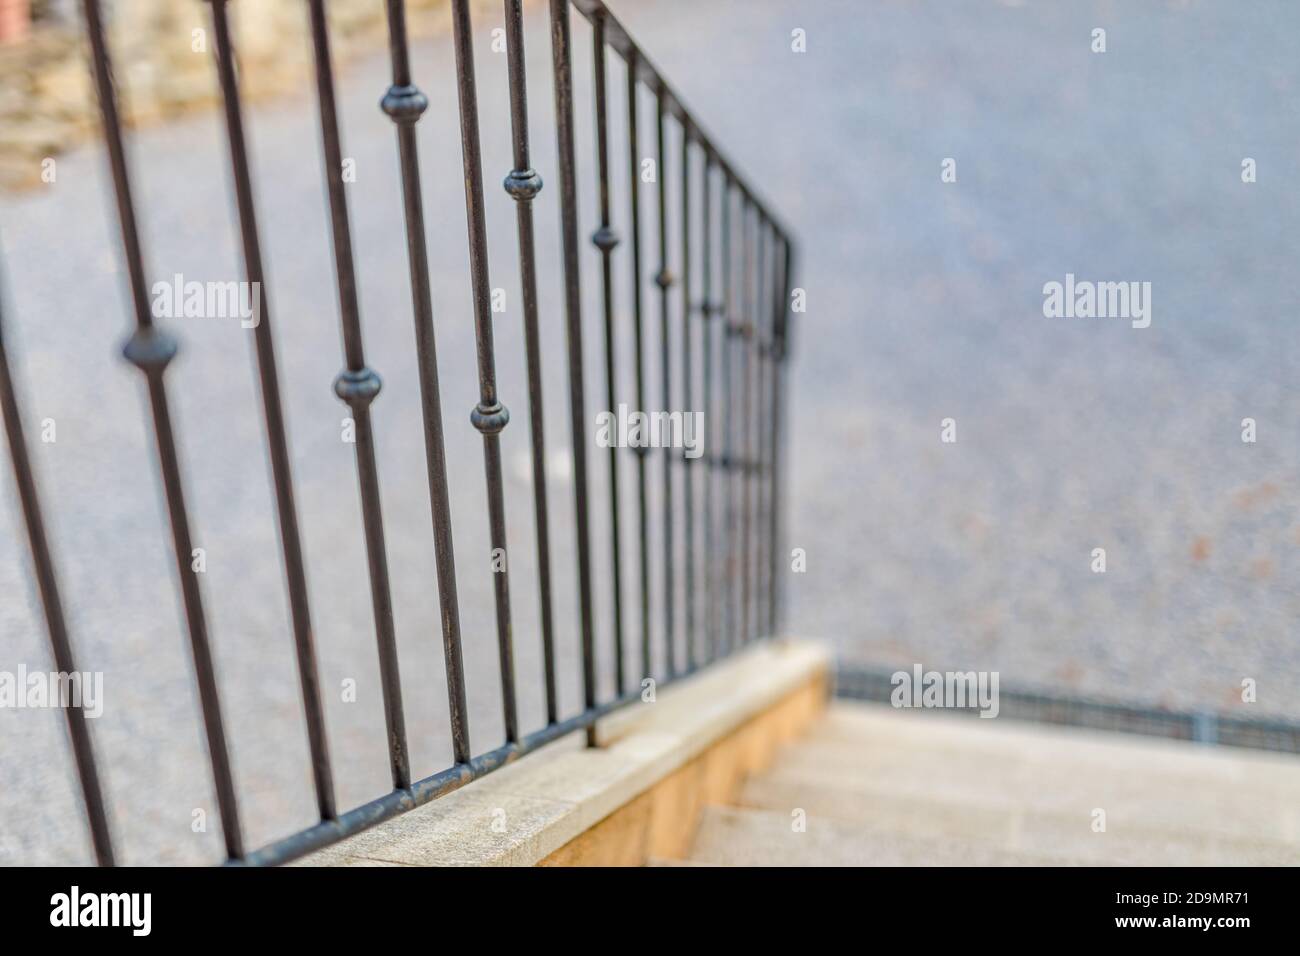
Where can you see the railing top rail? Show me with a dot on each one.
(618, 38)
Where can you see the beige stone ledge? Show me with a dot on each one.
(635, 797)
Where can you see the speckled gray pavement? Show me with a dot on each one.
(924, 303)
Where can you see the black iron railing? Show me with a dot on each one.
(740, 306)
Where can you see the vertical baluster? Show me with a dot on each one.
(489, 416)
(357, 385)
(760, 468)
(727, 414)
(753, 344)
(688, 530)
(563, 77)
(605, 239)
(643, 513)
(664, 279)
(773, 371)
(778, 415)
(746, 335)
(405, 104)
(768, 560)
(277, 442)
(707, 312)
(523, 184)
(83, 750)
(774, 359)
(150, 350)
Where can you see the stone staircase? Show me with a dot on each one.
(877, 786)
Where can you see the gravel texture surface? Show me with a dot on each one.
(924, 303)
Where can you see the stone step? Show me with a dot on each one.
(734, 836)
(1142, 783)
(1240, 811)
(1128, 840)
(875, 785)
(664, 861)
(867, 729)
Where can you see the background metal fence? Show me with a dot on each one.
(1207, 727)
(737, 307)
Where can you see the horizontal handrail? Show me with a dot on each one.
(648, 74)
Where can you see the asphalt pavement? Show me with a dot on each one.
(925, 303)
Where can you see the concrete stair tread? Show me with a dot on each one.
(863, 733)
(734, 836)
(1029, 770)
(1129, 839)
(663, 861)
(879, 750)
(880, 786)
(1241, 810)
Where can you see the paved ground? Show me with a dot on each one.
(924, 303)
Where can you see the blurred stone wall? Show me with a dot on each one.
(163, 60)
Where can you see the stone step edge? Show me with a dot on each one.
(660, 762)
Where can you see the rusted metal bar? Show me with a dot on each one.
(357, 386)
(405, 104)
(150, 349)
(47, 585)
(606, 240)
(523, 184)
(277, 440)
(490, 415)
(561, 53)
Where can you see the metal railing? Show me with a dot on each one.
(741, 311)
